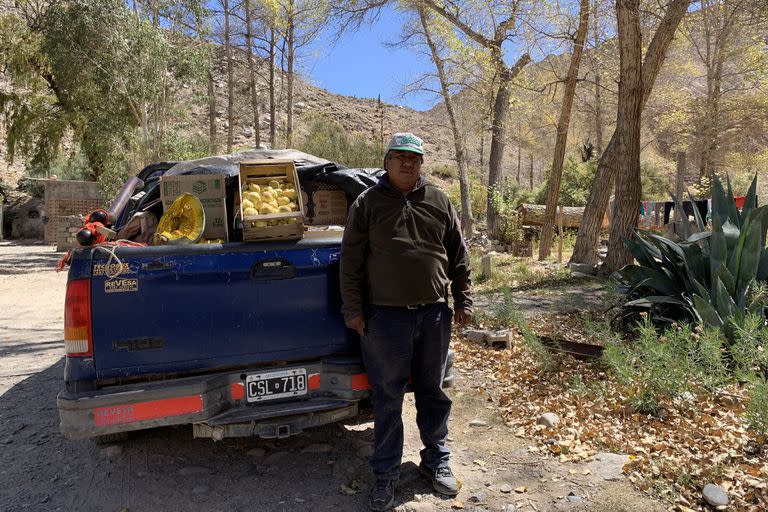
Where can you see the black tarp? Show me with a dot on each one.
(310, 170)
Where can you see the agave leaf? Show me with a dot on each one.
(682, 216)
(727, 279)
(700, 223)
(659, 283)
(636, 277)
(705, 312)
(640, 252)
(649, 246)
(718, 248)
(731, 232)
(701, 291)
(724, 303)
(701, 235)
(733, 212)
(750, 202)
(654, 300)
(741, 298)
(698, 264)
(719, 200)
(762, 270)
(749, 259)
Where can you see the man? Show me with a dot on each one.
(401, 256)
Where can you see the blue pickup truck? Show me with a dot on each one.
(237, 339)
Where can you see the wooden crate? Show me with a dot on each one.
(261, 172)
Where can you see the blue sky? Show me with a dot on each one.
(361, 65)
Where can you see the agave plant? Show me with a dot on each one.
(709, 276)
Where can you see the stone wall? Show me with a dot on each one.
(66, 201)
(67, 228)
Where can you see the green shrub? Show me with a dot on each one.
(657, 368)
(505, 202)
(447, 172)
(756, 412)
(575, 184)
(328, 139)
(749, 352)
(177, 147)
(478, 195)
(655, 182)
(508, 316)
(33, 187)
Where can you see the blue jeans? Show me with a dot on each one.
(402, 344)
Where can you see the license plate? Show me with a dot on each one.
(272, 385)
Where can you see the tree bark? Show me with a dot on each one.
(460, 151)
(585, 249)
(630, 107)
(230, 80)
(272, 106)
(530, 171)
(598, 88)
(291, 56)
(252, 76)
(505, 75)
(211, 113)
(499, 128)
(555, 177)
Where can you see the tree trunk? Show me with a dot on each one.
(519, 149)
(630, 107)
(252, 76)
(211, 113)
(718, 21)
(291, 56)
(498, 126)
(585, 249)
(230, 80)
(555, 177)
(458, 141)
(530, 171)
(272, 106)
(598, 89)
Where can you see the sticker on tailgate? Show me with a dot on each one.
(112, 269)
(121, 285)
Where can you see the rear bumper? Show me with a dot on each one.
(214, 401)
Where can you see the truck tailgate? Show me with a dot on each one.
(202, 307)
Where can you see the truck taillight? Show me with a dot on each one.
(77, 318)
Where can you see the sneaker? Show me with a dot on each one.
(442, 479)
(383, 495)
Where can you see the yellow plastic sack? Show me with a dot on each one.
(183, 223)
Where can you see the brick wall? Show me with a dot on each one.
(66, 201)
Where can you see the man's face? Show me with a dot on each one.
(404, 169)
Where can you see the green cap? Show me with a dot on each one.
(406, 142)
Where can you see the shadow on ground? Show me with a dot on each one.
(166, 469)
(24, 256)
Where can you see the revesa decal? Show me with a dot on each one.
(121, 285)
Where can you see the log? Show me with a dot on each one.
(533, 215)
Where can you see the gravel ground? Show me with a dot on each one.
(166, 469)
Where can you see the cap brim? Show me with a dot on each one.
(407, 148)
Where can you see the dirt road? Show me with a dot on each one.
(166, 469)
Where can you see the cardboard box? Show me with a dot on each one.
(288, 225)
(324, 204)
(210, 189)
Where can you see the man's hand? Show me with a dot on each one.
(357, 324)
(462, 316)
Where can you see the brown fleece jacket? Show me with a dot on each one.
(403, 250)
